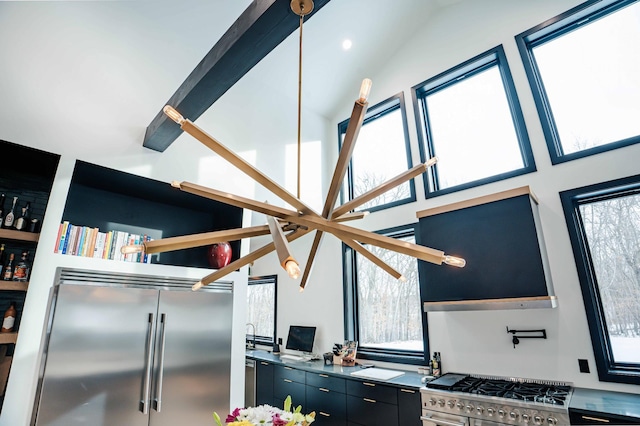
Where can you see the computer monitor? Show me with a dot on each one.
(301, 338)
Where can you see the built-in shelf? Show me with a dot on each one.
(8, 338)
(9, 234)
(14, 285)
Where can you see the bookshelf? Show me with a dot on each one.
(112, 200)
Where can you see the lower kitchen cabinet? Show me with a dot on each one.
(372, 404)
(288, 381)
(582, 417)
(409, 407)
(326, 396)
(264, 383)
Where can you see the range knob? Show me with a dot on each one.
(469, 408)
(441, 402)
(525, 418)
(459, 405)
(480, 410)
(491, 411)
(537, 420)
(432, 401)
(502, 413)
(552, 421)
(513, 416)
(451, 403)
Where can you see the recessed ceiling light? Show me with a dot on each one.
(346, 44)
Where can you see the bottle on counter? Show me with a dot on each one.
(22, 269)
(7, 271)
(3, 255)
(11, 216)
(439, 362)
(22, 222)
(9, 319)
(436, 365)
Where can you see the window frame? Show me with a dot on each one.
(553, 28)
(374, 112)
(608, 369)
(267, 279)
(351, 309)
(469, 68)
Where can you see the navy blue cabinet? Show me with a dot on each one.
(264, 383)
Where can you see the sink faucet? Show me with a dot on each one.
(252, 343)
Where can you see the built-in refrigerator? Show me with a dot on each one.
(135, 351)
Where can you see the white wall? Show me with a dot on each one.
(477, 342)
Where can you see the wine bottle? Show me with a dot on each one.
(22, 222)
(2, 197)
(3, 255)
(21, 271)
(10, 217)
(7, 272)
(9, 319)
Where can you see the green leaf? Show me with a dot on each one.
(217, 418)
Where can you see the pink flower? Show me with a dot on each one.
(233, 416)
(277, 421)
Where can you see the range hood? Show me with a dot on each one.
(500, 237)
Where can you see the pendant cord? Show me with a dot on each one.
(300, 101)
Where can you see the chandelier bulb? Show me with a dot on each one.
(173, 114)
(432, 161)
(365, 89)
(197, 286)
(292, 268)
(454, 261)
(402, 279)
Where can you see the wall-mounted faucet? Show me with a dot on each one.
(251, 343)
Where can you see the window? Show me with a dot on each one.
(384, 315)
(584, 71)
(381, 153)
(261, 309)
(604, 226)
(470, 118)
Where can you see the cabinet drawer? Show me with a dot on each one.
(321, 380)
(284, 387)
(282, 372)
(373, 391)
(322, 400)
(580, 417)
(409, 407)
(369, 412)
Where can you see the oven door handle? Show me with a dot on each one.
(430, 418)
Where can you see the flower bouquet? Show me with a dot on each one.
(267, 415)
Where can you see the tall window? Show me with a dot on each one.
(470, 118)
(261, 309)
(384, 314)
(604, 225)
(584, 71)
(381, 153)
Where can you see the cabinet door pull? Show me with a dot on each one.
(369, 400)
(264, 363)
(322, 413)
(368, 384)
(407, 390)
(288, 381)
(288, 368)
(595, 419)
(323, 389)
(323, 375)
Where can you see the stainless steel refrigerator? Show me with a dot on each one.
(125, 350)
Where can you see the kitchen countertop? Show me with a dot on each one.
(606, 402)
(409, 379)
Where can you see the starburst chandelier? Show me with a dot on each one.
(286, 225)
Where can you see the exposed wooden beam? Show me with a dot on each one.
(260, 28)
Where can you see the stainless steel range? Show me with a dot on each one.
(471, 400)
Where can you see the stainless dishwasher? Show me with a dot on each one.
(249, 383)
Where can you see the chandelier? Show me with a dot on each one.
(286, 225)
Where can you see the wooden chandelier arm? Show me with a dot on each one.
(382, 188)
(245, 260)
(198, 240)
(372, 257)
(312, 254)
(243, 165)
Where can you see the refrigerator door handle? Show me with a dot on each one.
(158, 399)
(146, 386)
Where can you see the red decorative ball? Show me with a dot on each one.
(219, 255)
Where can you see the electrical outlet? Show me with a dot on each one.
(584, 365)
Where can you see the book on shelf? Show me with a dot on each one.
(85, 241)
